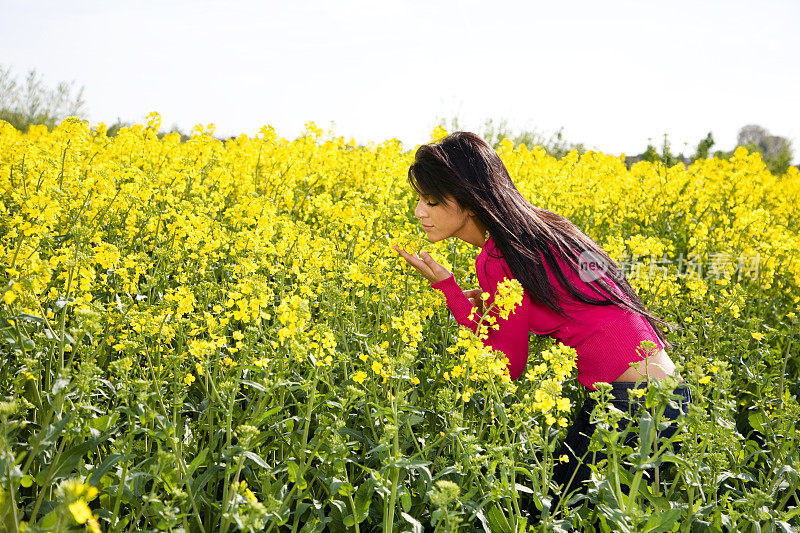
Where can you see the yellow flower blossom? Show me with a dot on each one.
(80, 511)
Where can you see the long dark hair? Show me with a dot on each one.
(463, 166)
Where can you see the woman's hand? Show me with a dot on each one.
(425, 265)
(474, 296)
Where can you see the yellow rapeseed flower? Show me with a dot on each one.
(80, 511)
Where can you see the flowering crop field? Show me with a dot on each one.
(217, 336)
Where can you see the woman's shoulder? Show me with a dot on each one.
(491, 256)
(490, 260)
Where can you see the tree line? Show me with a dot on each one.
(29, 102)
(776, 151)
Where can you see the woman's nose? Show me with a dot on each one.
(419, 212)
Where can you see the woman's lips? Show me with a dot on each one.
(426, 228)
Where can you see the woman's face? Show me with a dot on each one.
(442, 220)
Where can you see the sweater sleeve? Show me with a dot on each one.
(459, 304)
(511, 337)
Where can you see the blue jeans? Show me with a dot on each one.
(576, 442)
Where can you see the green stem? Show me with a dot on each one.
(388, 524)
(120, 490)
(46, 483)
(226, 484)
(11, 491)
(64, 311)
(783, 368)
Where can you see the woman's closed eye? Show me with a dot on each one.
(428, 202)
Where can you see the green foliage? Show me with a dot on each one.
(127, 406)
(776, 151)
(703, 148)
(652, 155)
(31, 102)
(494, 131)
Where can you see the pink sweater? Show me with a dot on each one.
(604, 337)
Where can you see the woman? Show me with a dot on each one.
(574, 292)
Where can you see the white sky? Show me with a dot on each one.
(612, 74)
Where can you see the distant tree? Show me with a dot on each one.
(703, 147)
(494, 131)
(651, 154)
(113, 129)
(30, 102)
(666, 156)
(776, 151)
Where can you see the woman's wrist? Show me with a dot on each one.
(442, 282)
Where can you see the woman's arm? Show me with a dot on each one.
(459, 304)
(511, 337)
(512, 334)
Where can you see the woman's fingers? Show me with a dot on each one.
(413, 260)
(416, 262)
(439, 272)
(425, 264)
(474, 297)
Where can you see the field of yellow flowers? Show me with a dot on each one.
(217, 336)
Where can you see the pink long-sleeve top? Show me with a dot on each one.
(604, 337)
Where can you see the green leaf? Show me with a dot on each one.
(31, 318)
(405, 500)
(196, 462)
(661, 522)
(70, 461)
(497, 519)
(756, 420)
(345, 489)
(102, 422)
(199, 483)
(48, 521)
(253, 384)
(257, 459)
(500, 410)
(106, 465)
(646, 432)
(334, 485)
(293, 471)
(363, 499)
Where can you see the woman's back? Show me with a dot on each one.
(604, 337)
